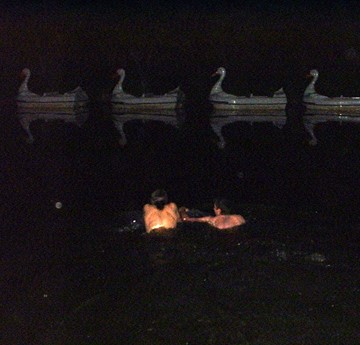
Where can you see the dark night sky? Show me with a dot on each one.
(320, 6)
(304, 12)
(63, 36)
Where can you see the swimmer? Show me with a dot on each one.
(222, 220)
(160, 215)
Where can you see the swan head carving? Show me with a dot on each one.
(314, 73)
(220, 71)
(120, 72)
(25, 72)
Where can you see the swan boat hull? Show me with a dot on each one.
(142, 107)
(255, 109)
(251, 105)
(339, 106)
(72, 102)
(145, 104)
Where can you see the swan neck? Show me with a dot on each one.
(119, 85)
(217, 88)
(310, 90)
(24, 85)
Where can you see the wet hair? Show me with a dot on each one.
(224, 205)
(159, 198)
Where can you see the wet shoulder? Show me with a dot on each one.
(171, 206)
(241, 219)
(148, 207)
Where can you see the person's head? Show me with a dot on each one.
(221, 206)
(159, 198)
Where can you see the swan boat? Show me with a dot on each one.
(125, 102)
(67, 107)
(323, 105)
(260, 105)
(69, 102)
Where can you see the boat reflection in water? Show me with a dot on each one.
(219, 119)
(26, 118)
(172, 117)
(311, 120)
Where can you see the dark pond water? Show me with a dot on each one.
(84, 274)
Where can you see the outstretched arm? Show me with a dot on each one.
(241, 220)
(200, 219)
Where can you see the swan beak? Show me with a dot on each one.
(215, 74)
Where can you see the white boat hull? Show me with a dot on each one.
(50, 107)
(142, 107)
(329, 109)
(251, 108)
(74, 101)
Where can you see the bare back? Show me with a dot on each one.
(166, 218)
(227, 221)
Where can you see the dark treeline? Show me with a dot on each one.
(162, 47)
